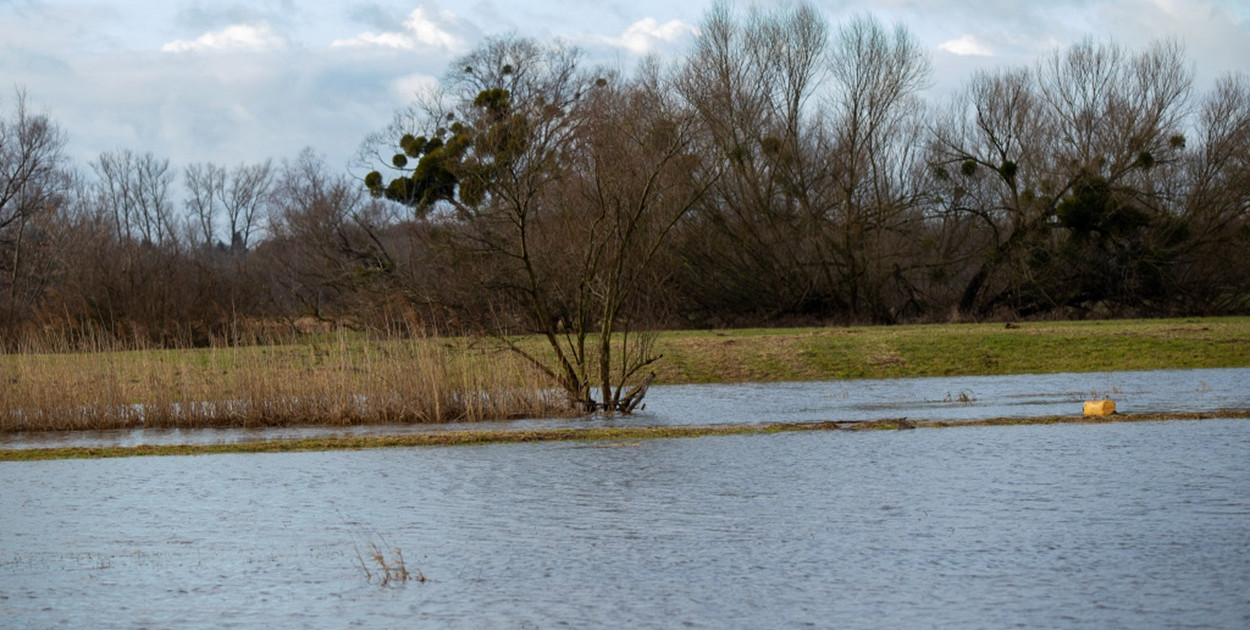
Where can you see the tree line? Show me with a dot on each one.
(782, 170)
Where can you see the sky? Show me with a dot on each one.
(239, 82)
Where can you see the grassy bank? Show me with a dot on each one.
(766, 355)
(600, 437)
(351, 379)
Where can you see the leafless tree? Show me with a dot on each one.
(133, 190)
(236, 196)
(637, 169)
(561, 185)
(203, 183)
(875, 117)
(492, 157)
(1062, 165)
(328, 253)
(1113, 109)
(752, 245)
(34, 179)
(992, 159)
(1214, 184)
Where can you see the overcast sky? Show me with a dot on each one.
(210, 80)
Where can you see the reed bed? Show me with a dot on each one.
(338, 379)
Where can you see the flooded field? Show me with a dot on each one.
(945, 398)
(1074, 526)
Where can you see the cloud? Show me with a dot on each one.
(242, 37)
(408, 85)
(373, 15)
(96, 67)
(423, 28)
(966, 46)
(1215, 33)
(647, 35)
(205, 15)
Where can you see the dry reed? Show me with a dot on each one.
(388, 569)
(338, 379)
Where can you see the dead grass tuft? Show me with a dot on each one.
(386, 568)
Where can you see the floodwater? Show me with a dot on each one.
(1076, 526)
(941, 398)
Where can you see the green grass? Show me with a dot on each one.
(771, 355)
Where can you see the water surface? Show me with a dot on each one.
(1075, 526)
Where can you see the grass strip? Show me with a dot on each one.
(831, 353)
(597, 434)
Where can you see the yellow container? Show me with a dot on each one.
(1099, 407)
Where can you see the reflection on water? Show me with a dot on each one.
(943, 398)
(1075, 526)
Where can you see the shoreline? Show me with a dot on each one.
(327, 381)
(595, 436)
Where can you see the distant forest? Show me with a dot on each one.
(784, 170)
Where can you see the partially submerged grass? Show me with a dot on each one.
(351, 378)
(340, 381)
(387, 567)
(602, 436)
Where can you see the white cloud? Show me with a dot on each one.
(423, 28)
(966, 46)
(406, 86)
(96, 66)
(647, 34)
(246, 37)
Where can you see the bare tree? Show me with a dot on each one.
(133, 190)
(637, 170)
(245, 202)
(875, 117)
(752, 245)
(204, 184)
(1113, 110)
(993, 159)
(1063, 166)
(236, 196)
(328, 246)
(562, 186)
(820, 139)
(1214, 186)
(33, 181)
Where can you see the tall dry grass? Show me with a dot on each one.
(337, 379)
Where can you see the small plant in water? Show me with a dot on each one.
(386, 568)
